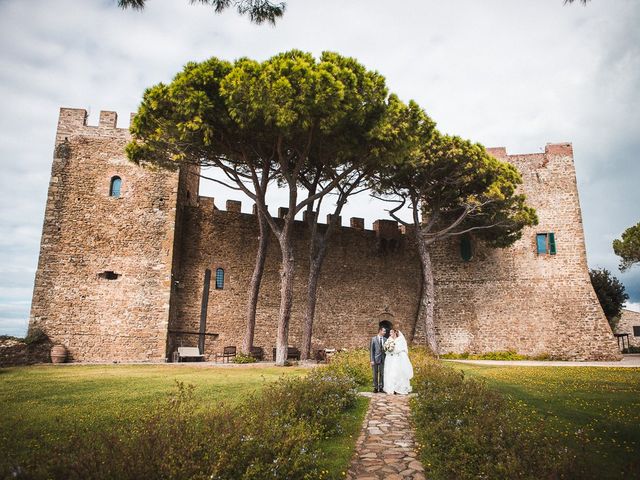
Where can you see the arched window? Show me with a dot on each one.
(219, 278)
(114, 189)
(466, 251)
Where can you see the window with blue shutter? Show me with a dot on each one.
(546, 243)
(219, 278)
(114, 189)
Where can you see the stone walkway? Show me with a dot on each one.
(385, 447)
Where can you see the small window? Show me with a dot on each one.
(546, 243)
(219, 278)
(109, 275)
(636, 330)
(466, 251)
(114, 190)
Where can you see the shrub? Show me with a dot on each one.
(467, 431)
(242, 358)
(36, 336)
(274, 434)
(354, 364)
(631, 349)
(497, 355)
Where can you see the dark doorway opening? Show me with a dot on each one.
(386, 324)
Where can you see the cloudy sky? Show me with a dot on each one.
(514, 73)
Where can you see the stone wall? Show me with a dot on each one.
(628, 320)
(87, 232)
(368, 275)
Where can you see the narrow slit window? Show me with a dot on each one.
(466, 251)
(109, 275)
(219, 278)
(114, 189)
(546, 243)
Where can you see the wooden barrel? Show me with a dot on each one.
(58, 354)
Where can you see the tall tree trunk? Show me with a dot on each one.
(315, 266)
(287, 270)
(254, 287)
(425, 309)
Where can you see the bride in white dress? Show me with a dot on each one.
(398, 370)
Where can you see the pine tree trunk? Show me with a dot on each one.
(425, 309)
(312, 295)
(254, 287)
(286, 296)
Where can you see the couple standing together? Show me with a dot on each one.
(392, 369)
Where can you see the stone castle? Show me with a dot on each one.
(134, 263)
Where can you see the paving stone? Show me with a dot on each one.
(386, 446)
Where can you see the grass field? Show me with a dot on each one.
(42, 405)
(594, 410)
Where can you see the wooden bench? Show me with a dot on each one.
(293, 353)
(227, 354)
(189, 352)
(324, 355)
(257, 353)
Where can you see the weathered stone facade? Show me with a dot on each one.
(630, 323)
(159, 236)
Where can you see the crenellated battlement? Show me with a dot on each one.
(564, 149)
(384, 228)
(73, 122)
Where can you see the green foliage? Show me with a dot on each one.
(289, 111)
(353, 364)
(36, 336)
(259, 11)
(242, 358)
(628, 248)
(274, 434)
(459, 188)
(611, 294)
(467, 431)
(497, 355)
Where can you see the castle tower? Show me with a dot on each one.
(534, 297)
(103, 283)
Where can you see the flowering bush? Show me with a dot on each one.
(274, 434)
(354, 364)
(242, 358)
(466, 430)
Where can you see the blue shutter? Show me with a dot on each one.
(541, 243)
(114, 190)
(552, 244)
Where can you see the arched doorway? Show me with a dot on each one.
(385, 319)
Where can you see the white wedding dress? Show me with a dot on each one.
(398, 370)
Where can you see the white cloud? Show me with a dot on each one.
(517, 74)
(635, 306)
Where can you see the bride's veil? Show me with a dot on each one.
(401, 342)
(405, 364)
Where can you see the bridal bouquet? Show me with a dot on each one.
(389, 346)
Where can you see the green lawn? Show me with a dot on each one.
(43, 404)
(594, 410)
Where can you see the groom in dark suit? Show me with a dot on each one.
(377, 359)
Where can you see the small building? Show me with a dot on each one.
(629, 323)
